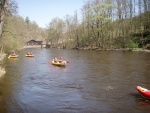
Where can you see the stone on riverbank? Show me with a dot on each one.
(2, 71)
(2, 56)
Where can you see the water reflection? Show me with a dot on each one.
(93, 82)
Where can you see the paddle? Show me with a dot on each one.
(49, 62)
(67, 62)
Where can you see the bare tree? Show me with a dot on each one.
(76, 28)
(3, 8)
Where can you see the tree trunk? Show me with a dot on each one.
(3, 7)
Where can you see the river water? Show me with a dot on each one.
(92, 82)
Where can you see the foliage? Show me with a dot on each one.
(103, 24)
(19, 32)
(27, 20)
(131, 44)
(125, 43)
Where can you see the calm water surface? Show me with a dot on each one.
(93, 82)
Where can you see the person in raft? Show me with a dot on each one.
(29, 53)
(60, 59)
(55, 59)
(13, 54)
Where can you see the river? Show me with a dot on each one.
(92, 82)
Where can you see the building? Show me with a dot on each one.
(34, 42)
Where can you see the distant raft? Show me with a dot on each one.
(12, 56)
(29, 55)
(62, 63)
(144, 92)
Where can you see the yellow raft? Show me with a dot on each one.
(29, 55)
(12, 56)
(63, 63)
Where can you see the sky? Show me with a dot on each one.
(42, 11)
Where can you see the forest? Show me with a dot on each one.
(98, 25)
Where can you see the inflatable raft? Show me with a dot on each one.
(144, 92)
(29, 55)
(62, 63)
(12, 56)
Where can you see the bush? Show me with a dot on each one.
(125, 43)
(131, 44)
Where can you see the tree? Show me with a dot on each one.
(104, 22)
(27, 20)
(3, 11)
(55, 30)
(76, 28)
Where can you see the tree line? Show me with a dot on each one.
(15, 31)
(103, 24)
(99, 24)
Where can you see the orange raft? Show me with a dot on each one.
(144, 92)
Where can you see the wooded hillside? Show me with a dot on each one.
(16, 30)
(104, 24)
(100, 24)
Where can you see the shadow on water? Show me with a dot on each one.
(93, 82)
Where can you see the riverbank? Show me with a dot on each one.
(2, 56)
(114, 49)
(2, 70)
(130, 49)
(35, 46)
